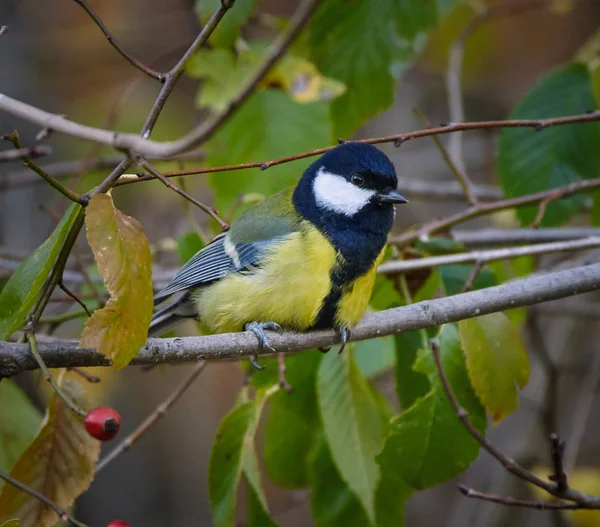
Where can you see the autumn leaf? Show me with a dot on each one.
(120, 247)
(60, 464)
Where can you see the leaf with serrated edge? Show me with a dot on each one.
(20, 422)
(60, 463)
(496, 360)
(23, 286)
(233, 455)
(352, 424)
(428, 444)
(121, 248)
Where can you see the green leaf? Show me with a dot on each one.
(121, 248)
(228, 29)
(410, 384)
(233, 455)
(496, 360)
(60, 463)
(292, 422)
(375, 356)
(258, 511)
(352, 424)
(454, 278)
(20, 423)
(305, 126)
(333, 503)
(428, 444)
(359, 45)
(188, 245)
(531, 161)
(23, 287)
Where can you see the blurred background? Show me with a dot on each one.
(54, 57)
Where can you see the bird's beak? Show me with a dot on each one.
(391, 196)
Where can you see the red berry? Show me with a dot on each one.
(118, 523)
(103, 423)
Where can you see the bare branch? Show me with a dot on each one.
(63, 515)
(513, 502)
(151, 420)
(115, 44)
(483, 257)
(15, 358)
(582, 499)
(23, 153)
(481, 209)
(491, 237)
(146, 147)
(211, 211)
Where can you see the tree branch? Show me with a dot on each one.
(15, 358)
(491, 237)
(115, 44)
(146, 147)
(483, 257)
(481, 209)
(23, 153)
(39, 496)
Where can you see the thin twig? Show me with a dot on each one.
(482, 209)
(27, 152)
(281, 369)
(68, 292)
(460, 174)
(486, 256)
(33, 346)
(211, 211)
(29, 163)
(94, 379)
(3, 31)
(176, 71)
(39, 496)
(115, 44)
(513, 502)
(151, 420)
(477, 268)
(557, 451)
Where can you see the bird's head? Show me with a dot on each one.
(352, 176)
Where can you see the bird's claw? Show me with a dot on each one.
(344, 335)
(258, 328)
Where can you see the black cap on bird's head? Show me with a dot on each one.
(351, 176)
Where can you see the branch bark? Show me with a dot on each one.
(15, 358)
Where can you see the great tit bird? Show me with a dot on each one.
(303, 258)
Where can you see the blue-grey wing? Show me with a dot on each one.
(219, 257)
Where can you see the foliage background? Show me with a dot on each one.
(61, 61)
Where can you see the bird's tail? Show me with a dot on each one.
(171, 316)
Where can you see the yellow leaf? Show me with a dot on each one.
(121, 248)
(60, 464)
(496, 361)
(10, 523)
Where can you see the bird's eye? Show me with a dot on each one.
(357, 180)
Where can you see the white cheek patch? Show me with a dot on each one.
(333, 192)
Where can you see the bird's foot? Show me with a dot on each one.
(258, 328)
(344, 335)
